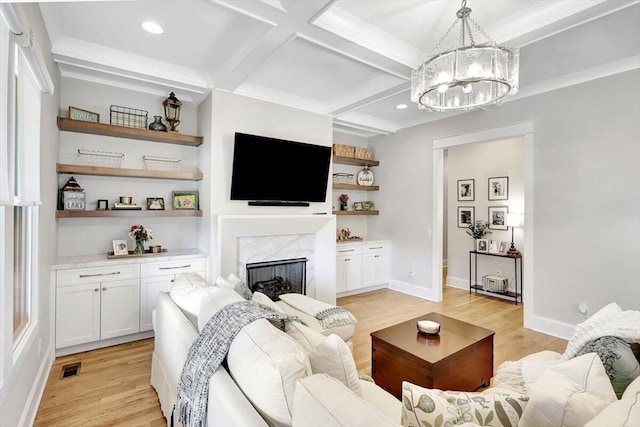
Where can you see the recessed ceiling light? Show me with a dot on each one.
(152, 27)
(401, 106)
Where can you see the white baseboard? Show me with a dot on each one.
(30, 411)
(361, 290)
(551, 327)
(103, 343)
(457, 282)
(412, 289)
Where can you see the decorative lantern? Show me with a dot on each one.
(172, 111)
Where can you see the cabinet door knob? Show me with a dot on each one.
(96, 290)
(104, 288)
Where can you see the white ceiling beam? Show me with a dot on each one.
(362, 98)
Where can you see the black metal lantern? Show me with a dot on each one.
(172, 108)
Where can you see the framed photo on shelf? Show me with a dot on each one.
(120, 247)
(503, 248)
(357, 206)
(184, 200)
(499, 188)
(498, 217)
(493, 246)
(155, 203)
(368, 206)
(482, 245)
(76, 113)
(102, 205)
(466, 190)
(466, 216)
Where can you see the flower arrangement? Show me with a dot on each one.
(140, 235)
(479, 229)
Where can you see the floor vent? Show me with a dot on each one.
(71, 370)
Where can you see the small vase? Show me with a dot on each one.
(157, 124)
(139, 247)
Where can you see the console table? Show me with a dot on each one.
(473, 284)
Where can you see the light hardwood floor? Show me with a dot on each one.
(113, 385)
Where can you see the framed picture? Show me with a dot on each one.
(120, 247)
(83, 115)
(466, 190)
(184, 200)
(499, 188)
(155, 203)
(482, 245)
(503, 248)
(498, 217)
(466, 216)
(357, 206)
(493, 246)
(368, 206)
(102, 205)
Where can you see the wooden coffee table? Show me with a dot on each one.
(460, 357)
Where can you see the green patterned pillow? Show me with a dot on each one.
(423, 407)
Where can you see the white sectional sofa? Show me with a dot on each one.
(302, 378)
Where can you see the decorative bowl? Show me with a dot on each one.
(428, 327)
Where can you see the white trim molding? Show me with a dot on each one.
(413, 289)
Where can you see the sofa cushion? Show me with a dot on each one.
(327, 355)
(212, 300)
(321, 400)
(263, 299)
(569, 394)
(619, 361)
(187, 291)
(624, 412)
(266, 363)
(430, 407)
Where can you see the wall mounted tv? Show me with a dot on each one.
(277, 172)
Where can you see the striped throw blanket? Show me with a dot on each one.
(328, 315)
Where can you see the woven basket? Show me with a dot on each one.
(344, 178)
(362, 153)
(342, 150)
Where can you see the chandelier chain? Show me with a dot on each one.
(444, 36)
(479, 28)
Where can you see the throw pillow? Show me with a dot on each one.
(327, 355)
(229, 282)
(260, 298)
(431, 407)
(187, 291)
(569, 394)
(266, 363)
(243, 290)
(619, 361)
(212, 300)
(320, 400)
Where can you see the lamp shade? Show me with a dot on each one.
(515, 220)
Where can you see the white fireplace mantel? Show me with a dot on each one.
(323, 227)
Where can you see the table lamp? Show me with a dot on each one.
(514, 220)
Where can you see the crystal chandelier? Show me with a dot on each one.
(467, 76)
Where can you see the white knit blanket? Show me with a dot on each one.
(611, 320)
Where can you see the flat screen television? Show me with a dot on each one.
(271, 171)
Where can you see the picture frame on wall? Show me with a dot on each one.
(499, 188)
(466, 190)
(184, 200)
(482, 245)
(466, 216)
(498, 217)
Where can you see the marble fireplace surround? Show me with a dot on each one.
(257, 238)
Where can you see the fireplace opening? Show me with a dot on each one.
(274, 278)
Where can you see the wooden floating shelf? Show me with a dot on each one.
(70, 125)
(130, 173)
(356, 187)
(354, 162)
(125, 213)
(356, 212)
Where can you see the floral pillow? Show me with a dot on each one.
(423, 407)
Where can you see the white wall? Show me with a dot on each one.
(480, 162)
(25, 378)
(586, 189)
(95, 235)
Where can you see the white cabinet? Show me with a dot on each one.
(158, 277)
(348, 267)
(97, 307)
(361, 265)
(375, 263)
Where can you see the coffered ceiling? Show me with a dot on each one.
(350, 59)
